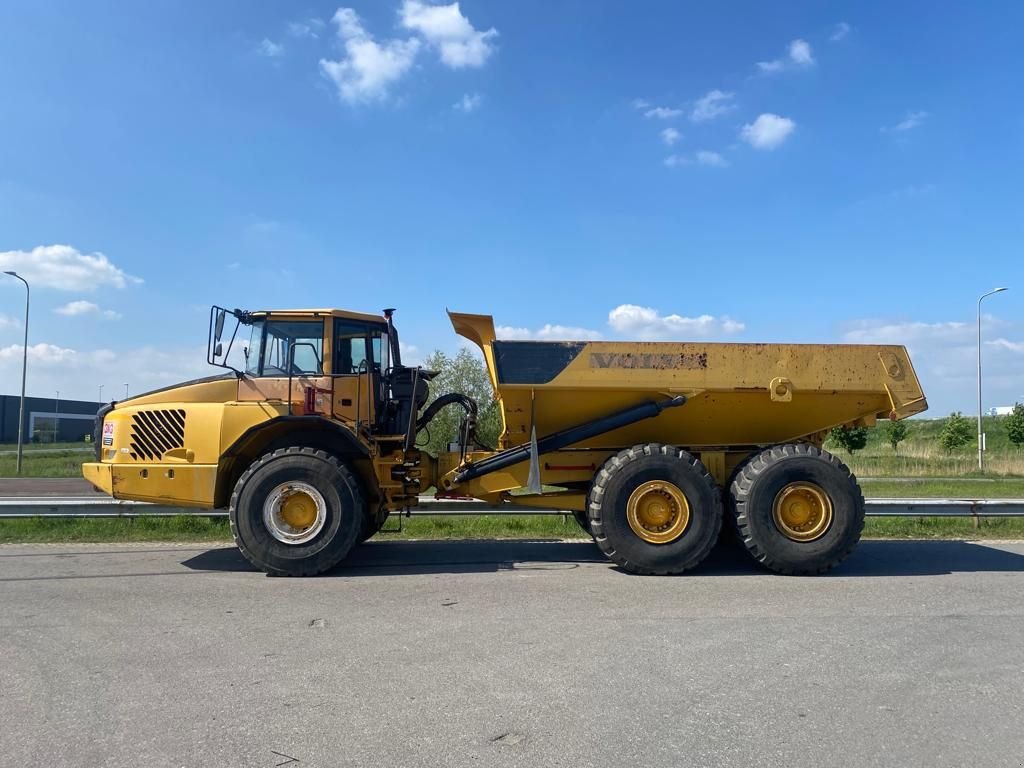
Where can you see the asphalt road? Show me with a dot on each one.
(509, 654)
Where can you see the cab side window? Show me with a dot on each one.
(350, 348)
(300, 342)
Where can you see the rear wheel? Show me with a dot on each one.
(296, 512)
(655, 509)
(798, 509)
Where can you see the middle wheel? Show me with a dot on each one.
(655, 509)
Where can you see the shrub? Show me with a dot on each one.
(896, 433)
(956, 432)
(850, 438)
(1015, 425)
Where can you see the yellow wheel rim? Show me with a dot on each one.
(295, 512)
(658, 512)
(298, 510)
(802, 511)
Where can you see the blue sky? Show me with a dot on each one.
(731, 171)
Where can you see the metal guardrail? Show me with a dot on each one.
(103, 507)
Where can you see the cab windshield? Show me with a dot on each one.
(271, 343)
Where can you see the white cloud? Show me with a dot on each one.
(768, 131)
(78, 373)
(65, 268)
(270, 49)
(548, 332)
(369, 68)
(306, 28)
(7, 322)
(711, 105)
(663, 113)
(43, 354)
(444, 27)
(81, 307)
(775, 65)
(800, 53)
(798, 56)
(707, 157)
(700, 157)
(909, 122)
(670, 136)
(646, 324)
(944, 355)
(410, 354)
(470, 102)
(882, 332)
(839, 31)
(640, 104)
(1012, 346)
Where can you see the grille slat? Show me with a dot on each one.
(154, 433)
(146, 434)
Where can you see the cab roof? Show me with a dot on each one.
(344, 313)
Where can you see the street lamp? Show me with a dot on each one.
(981, 437)
(56, 419)
(125, 391)
(24, 369)
(101, 393)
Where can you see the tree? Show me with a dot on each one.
(956, 432)
(850, 438)
(466, 373)
(895, 433)
(1015, 425)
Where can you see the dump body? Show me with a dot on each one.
(739, 395)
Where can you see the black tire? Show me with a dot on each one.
(372, 525)
(730, 535)
(610, 493)
(762, 478)
(583, 519)
(343, 520)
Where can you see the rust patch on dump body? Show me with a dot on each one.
(696, 361)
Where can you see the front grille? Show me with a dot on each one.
(156, 432)
(97, 430)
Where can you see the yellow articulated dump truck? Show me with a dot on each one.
(309, 439)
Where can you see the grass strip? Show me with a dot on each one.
(195, 528)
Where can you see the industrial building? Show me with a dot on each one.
(47, 419)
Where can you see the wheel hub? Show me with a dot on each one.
(294, 513)
(802, 511)
(658, 512)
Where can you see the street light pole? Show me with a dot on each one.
(24, 369)
(981, 452)
(125, 391)
(101, 393)
(56, 419)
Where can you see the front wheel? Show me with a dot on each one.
(296, 512)
(797, 508)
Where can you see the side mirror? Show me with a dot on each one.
(218, 350)
(218, 327)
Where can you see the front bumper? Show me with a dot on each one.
(178, 484)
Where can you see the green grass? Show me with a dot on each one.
(945, 488)
(189, 528)
(943, 528)
(182, 528)
(29, 447)
(920, 455)
(65, 463)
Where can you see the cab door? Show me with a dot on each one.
(356, 364)
(286, 353)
